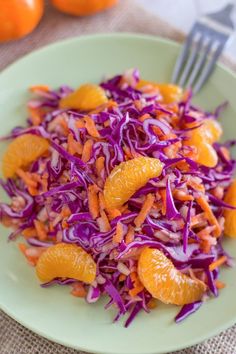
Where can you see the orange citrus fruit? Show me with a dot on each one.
(66, 261)
(164, 282)
(169, 92)
(21, 152)
(202, 139)
(85, 98)
(129, 176)
(229, 214)
(19, 17)
(83, 7)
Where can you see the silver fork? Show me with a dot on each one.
(206, 41)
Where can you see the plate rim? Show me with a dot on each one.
(107, 35)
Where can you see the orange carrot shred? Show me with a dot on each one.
(225, 152)
(113, 213)
(106, 224)
(217, 263)
(130, 235)
(102, 203)
(198, 220)
(163, 197)
(100, 165)
(29, 232)
(144, 117)
(147, 205)
(93, 202)
(74, 147)
(78, 290)
(119, 234)
(87, 151)
(35, 116)
(91, 127)
(80, 124)
(122, 277)
(152, 304)
(209, 215)
(22, 247)
(219, 284)
(36, 88)
(198, 187)
(179, 195)
(41, 230)
(26, 177)
(135, 291)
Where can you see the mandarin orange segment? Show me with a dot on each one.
(229, 214)
(86, 98)
(66, 261)
(126, 178)
(202, 139)
(164, 282)
(169, 92)
(21, 152)
(206, 155)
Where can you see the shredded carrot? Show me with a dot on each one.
(225, 152)
(135, 291)
(144, 117)
(127, 152)
(78, 290)
(198, 220)
(93, 202)
(209, 215)
(64, 125)
(91, 127)
(137, 285)
(29, 232)
(106, 224)
(73, 146)
(219, 284)
(122, 277)
(22, 247)
(80, 124)
(217, 263)
(35, 116)
(147, 205)
(100, 165)
(205, 246)
(33, 191)
(87, 151)
(179, 195)
(102, 203)
(26, 177)
(130, 235)
(205, 232)
(44, 181)
(41, 230)
(65, 211)
(157, 131)
(163, 197)
(36, 88)
(113, 213)
(64, 224)
(152, 304)
(119, 234)
(197, 186)
(138, 105)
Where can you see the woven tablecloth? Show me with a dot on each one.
(128, 17)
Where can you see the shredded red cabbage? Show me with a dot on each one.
(135, 123)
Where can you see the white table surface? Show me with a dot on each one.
(183, 13)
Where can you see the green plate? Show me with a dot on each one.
(53, 313)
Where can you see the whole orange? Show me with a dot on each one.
(19, 17)
(83, 7)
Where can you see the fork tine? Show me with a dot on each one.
(207, 69)
(191, 60)
(199, 63)
(183, 55)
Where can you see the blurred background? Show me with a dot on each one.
(183, 13)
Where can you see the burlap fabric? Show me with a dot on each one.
(14, 338)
